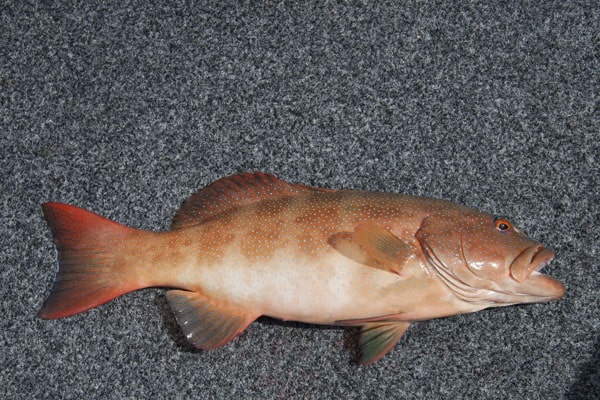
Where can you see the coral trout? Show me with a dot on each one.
(251, 244)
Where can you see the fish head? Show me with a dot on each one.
(487, 260)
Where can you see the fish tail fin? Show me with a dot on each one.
(88, 273)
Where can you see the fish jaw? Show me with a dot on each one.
(480, 293)
(541, 288)
(530, 286)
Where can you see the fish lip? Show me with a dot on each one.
(541, 258)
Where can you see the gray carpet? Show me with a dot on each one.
(126, 108)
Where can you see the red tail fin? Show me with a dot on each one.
(88, 274)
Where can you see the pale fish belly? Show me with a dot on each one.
(290, 287)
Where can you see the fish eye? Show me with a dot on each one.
(502, 224)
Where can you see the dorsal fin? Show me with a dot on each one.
(235, 191)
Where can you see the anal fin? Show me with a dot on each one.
(206, 323)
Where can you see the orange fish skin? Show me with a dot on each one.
(280, 264)
(319, 256)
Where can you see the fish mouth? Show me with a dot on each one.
(525, 270)
(532, 259)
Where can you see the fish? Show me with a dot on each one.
(252, 245)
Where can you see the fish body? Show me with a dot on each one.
(251, 245)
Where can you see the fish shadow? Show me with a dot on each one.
(349, 339)
(169, 325)
(587, 386)
(268, 321)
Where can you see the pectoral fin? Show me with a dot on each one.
(346, 244)
(378, 338)
(373, 245)
(207, 324)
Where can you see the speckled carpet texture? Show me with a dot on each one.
(127, 108)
